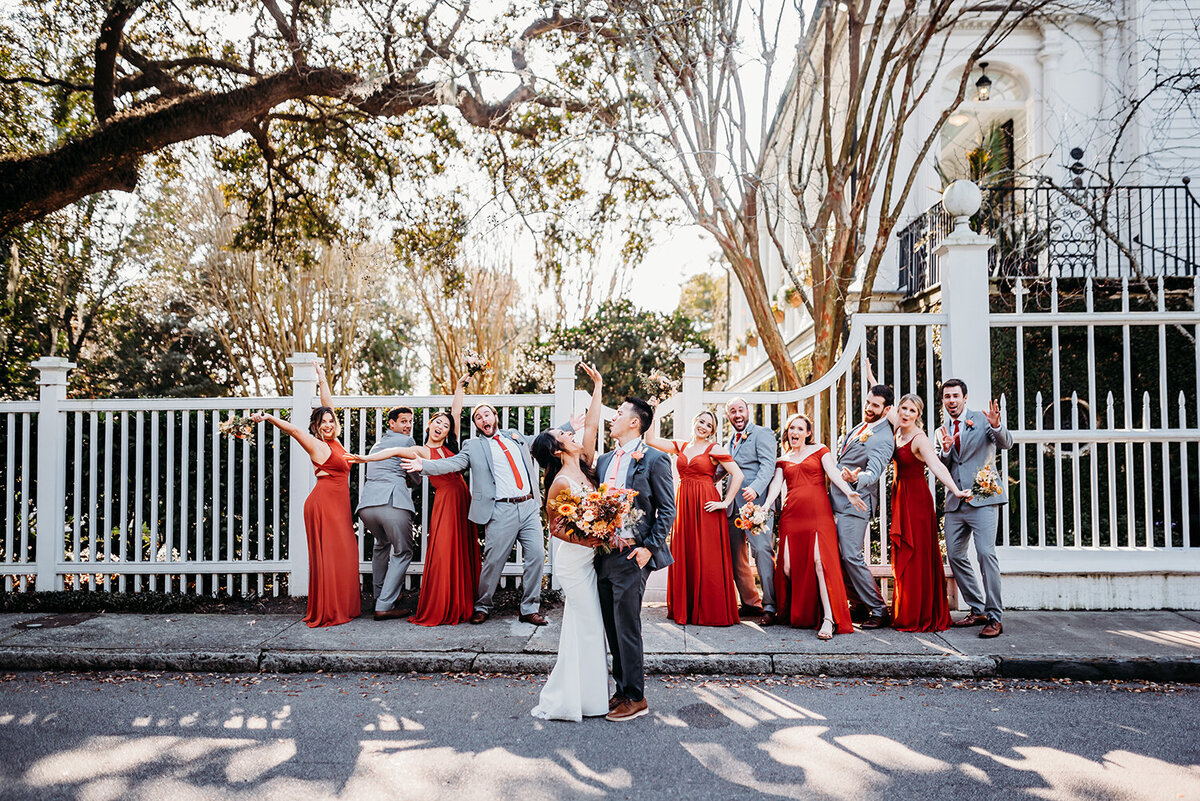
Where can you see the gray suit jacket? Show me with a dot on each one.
(756, 456)
(651, 478)
(872, 458)
(978, 442)
(476, 455)
(385, 483)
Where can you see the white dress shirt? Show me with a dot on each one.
(506, 484)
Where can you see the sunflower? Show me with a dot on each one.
(566, 509)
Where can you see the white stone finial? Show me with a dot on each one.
(962, 199)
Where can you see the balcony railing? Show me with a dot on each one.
(1090, 232)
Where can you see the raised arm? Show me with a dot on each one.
(591, 421)
(323, 385)
(735, 479)
(316, 449)
(997, 432)
(438, 467)
(456, 405)
(923, 447)
(661, 443)
(835, 475)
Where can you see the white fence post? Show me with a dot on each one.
(300, 471)
(692, 391)
(564, 386)
(51, 469)
(966, 338)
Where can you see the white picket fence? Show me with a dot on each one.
(146, 494)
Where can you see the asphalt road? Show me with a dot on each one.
(211, 736)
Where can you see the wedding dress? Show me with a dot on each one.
(578, 685)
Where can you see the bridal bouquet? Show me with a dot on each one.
(240, 427)
(987, 482)
(475, 364)
(601, 516)
(752, 518)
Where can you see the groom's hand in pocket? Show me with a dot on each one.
(641, 556)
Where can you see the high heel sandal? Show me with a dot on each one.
(820, 634)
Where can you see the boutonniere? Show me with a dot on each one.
(639, 453)
(969, 423)
(865, 435)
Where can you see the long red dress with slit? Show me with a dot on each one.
(334, 594)
(807, 518)
(700, 588)
(452, 561)
(919, 602)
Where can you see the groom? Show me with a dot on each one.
(506, 501)
(621, 575)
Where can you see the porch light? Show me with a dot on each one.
(983, 86)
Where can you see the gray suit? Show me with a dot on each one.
(977, 518)
(871, 457)
(386, 510)
(504, 523)
(620, 583)
(755, 454)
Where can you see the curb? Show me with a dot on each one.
(863, 666)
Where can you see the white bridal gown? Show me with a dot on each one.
(578, 685)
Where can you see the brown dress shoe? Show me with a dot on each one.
(876, 622)
(992, 629)
(628, 710)
(971, 619)
(533, 617)
(768, 619)
(750, 611)
(615, 701)
(392, 614)
(479, 616)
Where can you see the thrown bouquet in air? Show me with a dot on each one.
(601, 517)
(475, 364)
(752, 518)
(987, 482)
(240, 427)
(658, 387)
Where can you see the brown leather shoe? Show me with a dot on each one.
(615, 701)
(750, 611)
(533, 617)
(876, 622)
(768, 619)
(971, 619)
(628, 710)
(392, 614)
(479, 616)
(992, 629)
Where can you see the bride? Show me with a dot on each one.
(578, 685)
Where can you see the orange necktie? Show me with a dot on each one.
(615, 470)
(511, 463)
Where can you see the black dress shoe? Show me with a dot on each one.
(876, 622)
(768, 619)
(750, 611)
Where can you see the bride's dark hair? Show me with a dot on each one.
(545, 450)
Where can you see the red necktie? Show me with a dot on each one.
(511, 463)
(955, 435)
(737, 439)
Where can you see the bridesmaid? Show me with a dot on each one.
(919, 602)
(808, 570)
(452, 563)
(700, 588)
(334, 595)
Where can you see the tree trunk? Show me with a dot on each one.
(754, 287)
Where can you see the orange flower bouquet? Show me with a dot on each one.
(600, 518)
(240, 427)
(987, 482)
(753, 519)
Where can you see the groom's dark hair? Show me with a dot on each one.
(643, 410)
(397, 411)
(955, 382)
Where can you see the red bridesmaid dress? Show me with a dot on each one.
(700, 588)
(334, 595)
(807, 518)
(919, 602)
(452, 562)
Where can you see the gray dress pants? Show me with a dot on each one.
(392, 531)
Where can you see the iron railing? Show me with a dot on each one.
(1087, 232)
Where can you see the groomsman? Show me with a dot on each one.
(754, 450)
(863, 456)
(386, 510)
(966, 444)
(506, 501)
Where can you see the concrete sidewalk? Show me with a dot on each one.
(1156, 646)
